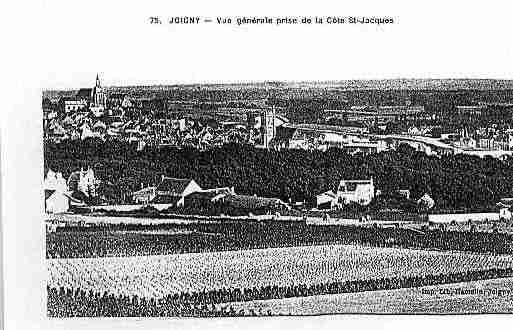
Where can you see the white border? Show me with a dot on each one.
(37, 31)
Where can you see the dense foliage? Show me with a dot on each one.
(454, 182)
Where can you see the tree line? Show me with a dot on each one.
(456, 182)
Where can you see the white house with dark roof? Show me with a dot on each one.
(71, 104)
(349, 191)
(356, 191)
(58, 198)
(144, 195)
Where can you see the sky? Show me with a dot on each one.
(432, 39)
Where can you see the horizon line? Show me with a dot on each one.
(263, 82)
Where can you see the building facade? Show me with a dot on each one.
(348, 191)
(356, 191)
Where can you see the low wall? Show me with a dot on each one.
(463, 217)
(129, 207)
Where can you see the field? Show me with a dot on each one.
(496, 296)
(157, 276)
(124, 240)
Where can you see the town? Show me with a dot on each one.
(480, 129)
(240, 199)
(261, 122)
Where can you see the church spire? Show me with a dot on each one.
(97, 80)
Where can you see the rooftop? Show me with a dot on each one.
(253, 202)
(174, 186)
(84, 93)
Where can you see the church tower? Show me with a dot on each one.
(99, 96)
(268, 128)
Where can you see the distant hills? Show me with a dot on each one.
(388, 84)
(416, 84)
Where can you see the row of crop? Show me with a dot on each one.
(157, 276)
(129, 241)
(79, 303)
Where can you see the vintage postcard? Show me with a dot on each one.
(202, 162)
(258, 199)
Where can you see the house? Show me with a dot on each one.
(56, 201)
(59, 201)
(404, 193)
(173, 190)
(57, 197)
(505, 213)
(144, 195)
(206, 198)
(356, 191)
(349, 191)
(54, 181)
(505, 208)
(326, 200)
(71, 104)
(426, 202)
